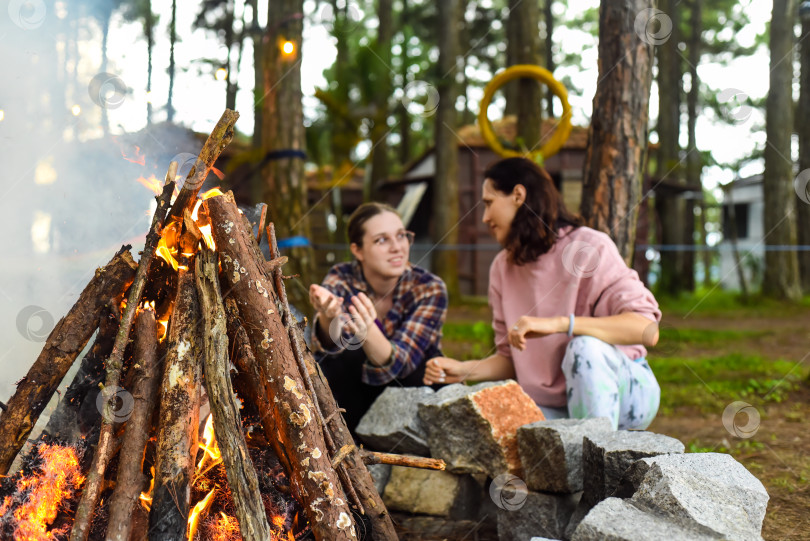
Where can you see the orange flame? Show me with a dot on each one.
(208, 237)
(199, 510)
(60, 476)
(146, 497)
(210, 447)
(152, 183)
(197, 206)
(213, 192)
(226, 528)
(140, 157)
(167, 254)
(164, 327)
(220, 175)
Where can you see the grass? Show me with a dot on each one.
(720, 303)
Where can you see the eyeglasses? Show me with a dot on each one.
(400, 237)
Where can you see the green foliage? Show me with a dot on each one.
(468, 340)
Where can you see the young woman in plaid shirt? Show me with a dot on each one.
(378, 318)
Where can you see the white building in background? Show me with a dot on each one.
(747, 196)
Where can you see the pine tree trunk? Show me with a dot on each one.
(803, 201)
(524, 43)
(445, 185)
(781, 278)
(283, 185)
(548, 15)
(149, 29)
(172, 41)
(694, 166)
(670, 206)
(380, 130)
(618, 133)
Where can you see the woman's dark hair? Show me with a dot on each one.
(356, 227)
(536, 224)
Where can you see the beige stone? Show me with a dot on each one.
(432, 492)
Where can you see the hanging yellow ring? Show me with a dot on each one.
(555, 143)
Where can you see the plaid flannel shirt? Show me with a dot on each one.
(413, 325)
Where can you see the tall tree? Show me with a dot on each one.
(694, 165)
(803, 204)
(548, 17)
(617, 137)
(669, 205)
(781, 278)
(524, 47)
(172, 42)
(380, 130)
(445, 184)
(283, 185)
(141, 10)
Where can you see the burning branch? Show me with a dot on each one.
(130, 480)
(227, 423)
(179, 415)
(220, 137)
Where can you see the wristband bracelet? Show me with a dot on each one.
(570, 325)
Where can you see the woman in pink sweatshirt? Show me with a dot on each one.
(571, 319)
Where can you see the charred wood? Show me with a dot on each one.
(130, 481)
(242, 479)
(220, 137)
(76, 414)
(179, 416)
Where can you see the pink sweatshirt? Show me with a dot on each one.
(582, 274)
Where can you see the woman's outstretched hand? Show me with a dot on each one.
(534, 327)
(324, 301)
(444, 370)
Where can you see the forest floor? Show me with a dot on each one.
(716, 350)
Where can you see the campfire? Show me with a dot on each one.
(200, 323)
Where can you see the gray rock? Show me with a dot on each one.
(551, 452)
(432, 492)
(473, 429)
(712, 490)
(541, 514)
(392, 423)
(380, 473)
(606, 457)
(615, 519)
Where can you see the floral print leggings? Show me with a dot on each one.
(601, 381)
